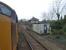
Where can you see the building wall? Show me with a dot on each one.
(49, 28)
(39, 28)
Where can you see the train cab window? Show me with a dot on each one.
(5, 10)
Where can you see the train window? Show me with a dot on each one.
(13, 15)
(5, 10)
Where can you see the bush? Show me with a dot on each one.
(57, 37)
(64, 28)
(61, 32)
(54, 32)
(58, 32)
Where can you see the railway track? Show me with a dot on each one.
(22, 43)
(34, 43)
(29, 46)
(46, 44)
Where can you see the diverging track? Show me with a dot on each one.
(34, 43)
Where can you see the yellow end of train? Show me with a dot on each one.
(8, 28)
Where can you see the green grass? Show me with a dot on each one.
(59, 38)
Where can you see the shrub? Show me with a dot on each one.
(58, 32)
(57, 37)
(64, 28)
(54, 32)
(61, 32)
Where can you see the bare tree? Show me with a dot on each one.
(57, 8)
(45, 16)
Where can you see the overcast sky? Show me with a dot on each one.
(26, 9)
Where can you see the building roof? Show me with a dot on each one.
(34, 19)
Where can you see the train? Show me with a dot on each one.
(8, 28)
